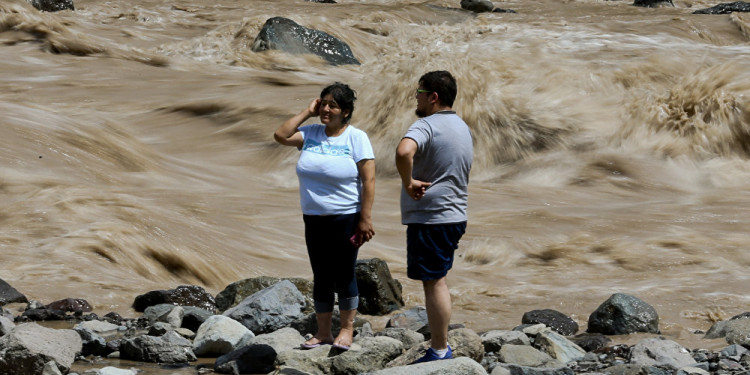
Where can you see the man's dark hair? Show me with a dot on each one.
(441, 82)
(344, 97)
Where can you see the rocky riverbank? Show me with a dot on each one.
(255, 326)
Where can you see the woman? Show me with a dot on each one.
(336, 171)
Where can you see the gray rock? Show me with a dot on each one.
(194, 317)
(50, 368)
(97, 326)
(623, 314)
(174, 317)
(407, 337)
(170, 348)
(464, 343)
(155, 313)
(553, 319)
(313, 361)
(373, 353)
(558, 347)
(28, 348)
(270, 309)
(738, 332)
(478, 6)
(279, 33)
(6, 325)
(52, 5)
(494, 340)
(113, 371)
(235, 292)
(414, 319)
(281, 340)
(219, 335)
(160, 328)
(523, 370)
(692, 371)
(661, 352)
(463, 366)
(92, 343)
(183, 295)
(734, 352)
(524, 355)
(379, 292)
(253, 359)
(725, 8)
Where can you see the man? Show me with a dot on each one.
(434, 160)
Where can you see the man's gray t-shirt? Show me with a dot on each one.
(444, 155)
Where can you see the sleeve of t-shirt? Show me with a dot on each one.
(306, 130)
(362, 147)
(420, 133)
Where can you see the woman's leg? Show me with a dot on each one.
(317, 230)
(346, 278)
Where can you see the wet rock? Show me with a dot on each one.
(463, 366)
(372, 354)
(270, 309)
(253, 359)
(279, 33)
(42, 314)
(478, 6)
(652, 3)
(52, 5)
(500, 10)
(8, 294)
(193, 317)
(495, 339)
(183, 295)
(169, 348)
(379, 292)
(732, 330)
(113, 317)
(74, 305)
(407, 337)
(726, 8)
(28, 347)
(591, 342)
(235, 292)
(623, 314)
(553, 319)
(92, 343)
(323, 1)
(661, 352)
(219, 335)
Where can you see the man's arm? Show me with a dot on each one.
(405, 152)
(365, 228)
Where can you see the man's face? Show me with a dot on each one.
(423, 101)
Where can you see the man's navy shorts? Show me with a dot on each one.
(430, 249)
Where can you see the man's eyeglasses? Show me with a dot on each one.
(420, 91)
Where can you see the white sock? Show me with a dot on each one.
(441, 352)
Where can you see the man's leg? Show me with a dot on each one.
(438, 304)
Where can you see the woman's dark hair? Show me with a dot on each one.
(344, 97)
(441, 82)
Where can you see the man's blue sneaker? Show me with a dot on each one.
(431, 355)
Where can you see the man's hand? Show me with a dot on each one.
(416, 188)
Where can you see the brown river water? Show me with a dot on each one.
(611, 141)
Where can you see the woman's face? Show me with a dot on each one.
(330, 112)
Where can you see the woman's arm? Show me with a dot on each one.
(365, 230)
(287, 134)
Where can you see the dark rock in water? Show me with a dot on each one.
(555, 320)
(499, 10)
(8, 294)
(322, 1)
(70, 305)
(235, 292)
(623, 314)
(251, 359)
(652, 3)
(379, 293)
(283, 34)
(52, 5)
(183, 295)
(478, 6)
(42, 314)
(744, 315)
(590, 343)
(113, 317)
(725, 8)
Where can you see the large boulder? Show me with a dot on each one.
(478, 6)
(52, 5)
(9, 294)
(622, 314)
(29, 347)
(725, 8)
(170, 348)
(183, 295)
(270, 309)
(74, 305)
(237, 291)
(553, 319)
(279, 33)
(219, 335)
(379, 292)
